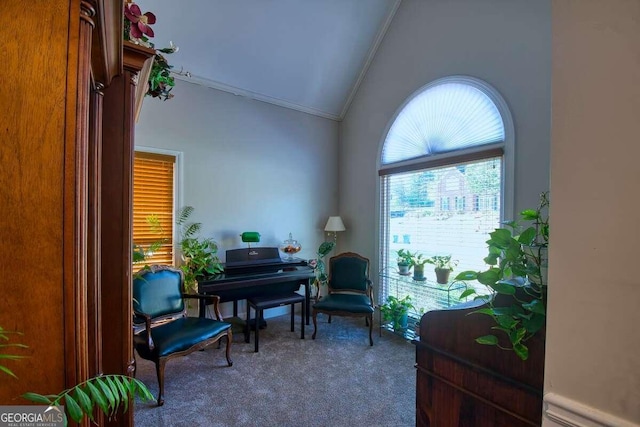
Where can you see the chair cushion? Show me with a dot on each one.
(178, 335)
(345, 302)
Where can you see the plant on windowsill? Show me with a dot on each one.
(418, 261)
(517, 279)
(199, 254)
(109, 393)
(137, 29)
(444, 265)
(404, 261)
(396, 311)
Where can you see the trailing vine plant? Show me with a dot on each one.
(137, 29)
(517, 272)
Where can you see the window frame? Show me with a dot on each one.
(177, 187)
(506, 148)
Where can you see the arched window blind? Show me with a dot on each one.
(443, 118)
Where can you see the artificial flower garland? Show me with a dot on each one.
(137, 29)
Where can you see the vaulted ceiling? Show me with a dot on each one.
(309, 55)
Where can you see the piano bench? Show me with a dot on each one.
(261, 303)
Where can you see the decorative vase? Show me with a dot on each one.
(442, 275)
(418, 273)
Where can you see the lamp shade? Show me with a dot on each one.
(334, 224)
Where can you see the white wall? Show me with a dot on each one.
(505, 43)
(248, 165)
(593, 340)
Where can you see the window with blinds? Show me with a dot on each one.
(441, 181)
(153, 207)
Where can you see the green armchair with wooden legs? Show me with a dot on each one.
(350, 291)
(158, 300)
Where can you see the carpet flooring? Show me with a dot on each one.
(335, 380)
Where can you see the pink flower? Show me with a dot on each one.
(139, 22)
(312, 263)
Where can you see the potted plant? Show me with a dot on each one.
(199, 254)
(319, 267)
(516, 279)
(396, 310)
(404, 261)
(444, 265)
(418, 262)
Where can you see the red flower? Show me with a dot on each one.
(139, 22)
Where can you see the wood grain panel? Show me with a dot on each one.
(33, 99)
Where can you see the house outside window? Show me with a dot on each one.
(445, 167)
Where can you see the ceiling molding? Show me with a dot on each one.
(254, 95)
(372, 53)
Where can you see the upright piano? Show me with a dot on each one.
(257, 272)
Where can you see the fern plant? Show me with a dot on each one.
(108, 393)
(199, 254)
(4, 336)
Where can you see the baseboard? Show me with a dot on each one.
(561, 411)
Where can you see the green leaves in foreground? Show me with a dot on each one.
(4, 336)
(107, 392)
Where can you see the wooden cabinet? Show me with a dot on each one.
(65, 87)
(462, 383)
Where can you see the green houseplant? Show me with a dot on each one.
(444, 265)
(319, 266)
(199, 254)
(418, 261)
(109, 393)
(137, 29)
(404, 259)
(396, 311)
(517, 280)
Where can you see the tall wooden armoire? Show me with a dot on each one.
(66, 138)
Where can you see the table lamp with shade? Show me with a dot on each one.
(334, 224)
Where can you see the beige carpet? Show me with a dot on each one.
(335, 380)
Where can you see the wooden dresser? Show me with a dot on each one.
(462, 383)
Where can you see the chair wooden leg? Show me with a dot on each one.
(228, 352)
(293, 306)
(302, 312)
(256, 336)
(370, 322)
(160, 372)
(315, 325)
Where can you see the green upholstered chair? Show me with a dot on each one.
(350, 291)
(158, 300)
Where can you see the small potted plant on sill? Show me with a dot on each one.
(418, 261)
(404, 261)
(444, 265)
(396, 311)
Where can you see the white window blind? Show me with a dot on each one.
(442, 181)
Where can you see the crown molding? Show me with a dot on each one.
(254, 95)
(372, 53)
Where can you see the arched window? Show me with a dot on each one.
(445, 172)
